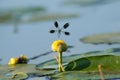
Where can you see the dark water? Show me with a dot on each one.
(34, 38)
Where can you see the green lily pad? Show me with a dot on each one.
(16, 72)
(66, 59)
(54, 16)
(8, 15)
(89, 61)
(88, 2)
(19, 76)
(87, 68)
(7, 72)
(81, 2)
(54, 64)
(34, 13)
(78, 75)
(106, 38)
(8, 75)
(110, 64)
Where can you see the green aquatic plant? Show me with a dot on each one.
(23, 71)
(85, 66)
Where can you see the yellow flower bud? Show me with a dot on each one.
(24, 57)
(59, 46)
(13, 61)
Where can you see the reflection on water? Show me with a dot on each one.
(34, 38)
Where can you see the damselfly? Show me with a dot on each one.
(60, 30)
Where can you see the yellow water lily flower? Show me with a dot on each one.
(59, 46)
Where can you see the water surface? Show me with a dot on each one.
(34, 38)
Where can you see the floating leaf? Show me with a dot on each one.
(15, 13)
(88, 2)
(82, 2)
(110, 64)
(54, 64)
(78, 75)
(54, 16)
(8, 72)
(66, 59)
(19, 76)
(78, 64)
(85, 66)
(107, 38)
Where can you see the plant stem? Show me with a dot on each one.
(101, 72)
(60, 61)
